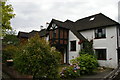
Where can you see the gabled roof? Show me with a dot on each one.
(67, 25)
(57, 22)
(70, 25)
(91, 22)
(94, 21)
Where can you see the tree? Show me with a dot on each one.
(10, 38)
(7, 15)
(8, 52)
(37, 58)
(87, 48)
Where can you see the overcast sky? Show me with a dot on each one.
(31, 14)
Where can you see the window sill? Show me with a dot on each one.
(102, 59)
(100, 38)
(72, 51)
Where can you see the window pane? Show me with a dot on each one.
(72, 45)
(101, 54)
(100, 33)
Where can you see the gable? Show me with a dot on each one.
(66, 25)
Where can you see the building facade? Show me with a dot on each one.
(68, 37)
(103, 31)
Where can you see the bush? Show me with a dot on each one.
(86, 62)
(70, 72)
(37, 58)
(8, 53)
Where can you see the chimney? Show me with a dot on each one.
(41, 27)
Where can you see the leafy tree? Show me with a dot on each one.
(10, 38)
(7, 15)
(37, 58)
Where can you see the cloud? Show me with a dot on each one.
(31, 14)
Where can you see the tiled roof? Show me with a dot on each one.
(91, 22)
(42, 33)
(94, 21)
(23, 34)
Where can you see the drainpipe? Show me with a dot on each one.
(117, 45)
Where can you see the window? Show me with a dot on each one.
(54, 34)
(91, 19)
(72, 45)
(101, 54)
(54, 26)
(100, 33)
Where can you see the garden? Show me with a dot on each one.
(38, 59)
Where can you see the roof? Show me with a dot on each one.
(70, 25)
(23, 34)
(90, 22)
(94, 21)
(67, 25)
(42, 33)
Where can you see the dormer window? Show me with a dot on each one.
(54, 33)
(100, 33)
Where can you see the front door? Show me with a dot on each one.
(62, 55)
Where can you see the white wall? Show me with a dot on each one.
(47, 38)
(109, 43)
(64, 55)
(73, 54)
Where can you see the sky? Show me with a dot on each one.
(31, 14)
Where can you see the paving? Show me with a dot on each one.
(96, 76)
(100, 75)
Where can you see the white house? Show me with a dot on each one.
(67, 37)
(103, 31)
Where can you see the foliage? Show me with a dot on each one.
(7, 15)
(87, 48)
(70, 72)
(8, 52)
(10, 38)
(37, 58)
(86, 62)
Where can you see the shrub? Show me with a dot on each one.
(70, 72)
(88, 48)
(37, 58)
(8, 52)
(86, 62)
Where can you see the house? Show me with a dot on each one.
(68, 36)
(24, 36)
(104, 32)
